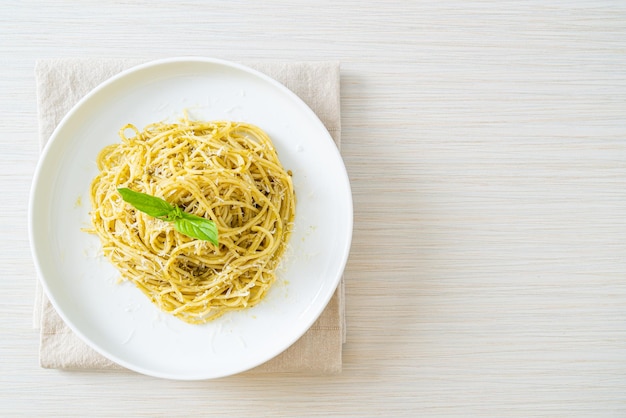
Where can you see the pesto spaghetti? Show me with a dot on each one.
(222, 171)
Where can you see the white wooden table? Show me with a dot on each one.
(486, 146)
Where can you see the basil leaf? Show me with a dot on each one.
(186, 223)
(150, 205)
(196, 227)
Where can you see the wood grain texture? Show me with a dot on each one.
(486, 146)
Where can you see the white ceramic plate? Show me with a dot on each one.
(116, 319)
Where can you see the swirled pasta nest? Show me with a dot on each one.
(224, 171)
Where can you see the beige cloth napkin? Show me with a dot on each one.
(63, 82)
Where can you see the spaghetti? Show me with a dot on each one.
(224, 171)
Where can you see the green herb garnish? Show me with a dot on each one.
(186, 223)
